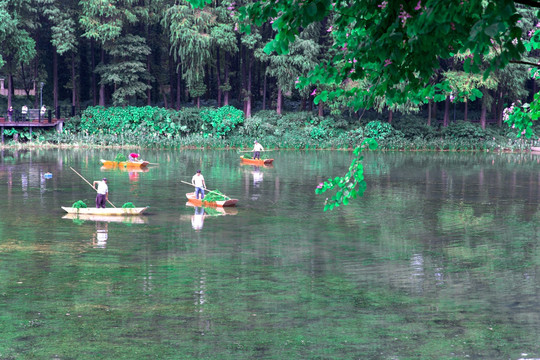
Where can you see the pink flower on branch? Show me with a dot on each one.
(387, 62)
(314, 92)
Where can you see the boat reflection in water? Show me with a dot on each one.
(201, 213)
(101, 235)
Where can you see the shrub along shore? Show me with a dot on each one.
(226, 127)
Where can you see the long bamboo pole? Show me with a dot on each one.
(252, 150)
(82, 177)
(185, 182)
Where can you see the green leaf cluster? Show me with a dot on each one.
(352, 184)
(101, 120)
(221, 121)
(79, 204)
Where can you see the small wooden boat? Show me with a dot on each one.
(128, 219)
(105, 211)
(198, 202)
(535, 149)
(256, 161)
(125, 169)
(124, 164)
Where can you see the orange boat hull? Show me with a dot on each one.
(257, 161)
(198, 202)
(124, 164)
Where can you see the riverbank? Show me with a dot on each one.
(225, 128)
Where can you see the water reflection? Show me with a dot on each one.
(258, 176)
(197, 219)
(440, 243)
(99, 240)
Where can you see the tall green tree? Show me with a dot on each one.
(109, 23)
(191, 43)
(16, 44)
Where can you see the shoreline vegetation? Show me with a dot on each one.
(226, 128)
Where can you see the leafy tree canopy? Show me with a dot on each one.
(395, 45)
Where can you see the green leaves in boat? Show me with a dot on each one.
(128, 205)
(79, 204)
(215, 195)
(120, 157)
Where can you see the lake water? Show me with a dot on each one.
(439, 260)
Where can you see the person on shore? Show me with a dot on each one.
(10, 113)
(102, 192)
(24, 113)
(42, 111)
(257, 148)
(133, 157)
(198, 181)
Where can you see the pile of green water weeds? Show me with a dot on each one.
(215, 195)
(120, 157)
(79, 204)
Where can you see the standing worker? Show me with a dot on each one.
(198, 181)
(257, 148)
(24, 112)
(10, 113)
(102, 193)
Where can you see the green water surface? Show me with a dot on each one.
(438, 261)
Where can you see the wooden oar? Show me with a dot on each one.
(82, 177)
(253, 151)
(185, 182)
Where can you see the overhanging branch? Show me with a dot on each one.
(524, 63)
(532, 3)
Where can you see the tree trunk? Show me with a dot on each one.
(73, 81)
(434, 104)
(390, 116)
(483, 114)
(36, 98)
(198, 102)
(321, 109)
(264, 92)
(429, 113)
(102, 86)
(248, 90)
(10, 89)
(149, 90)
(226, 93)
(178, 88)
(55, 82)
(279, 100)
(466, 111)
(446, 119)
(218, 77)
(94, 80)
(500, 108)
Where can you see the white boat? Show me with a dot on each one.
(128, 219)
(105, 211)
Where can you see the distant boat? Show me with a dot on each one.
(198, 202)
(535, 149)
(105, 211)
(124, 164)
(256, 161)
